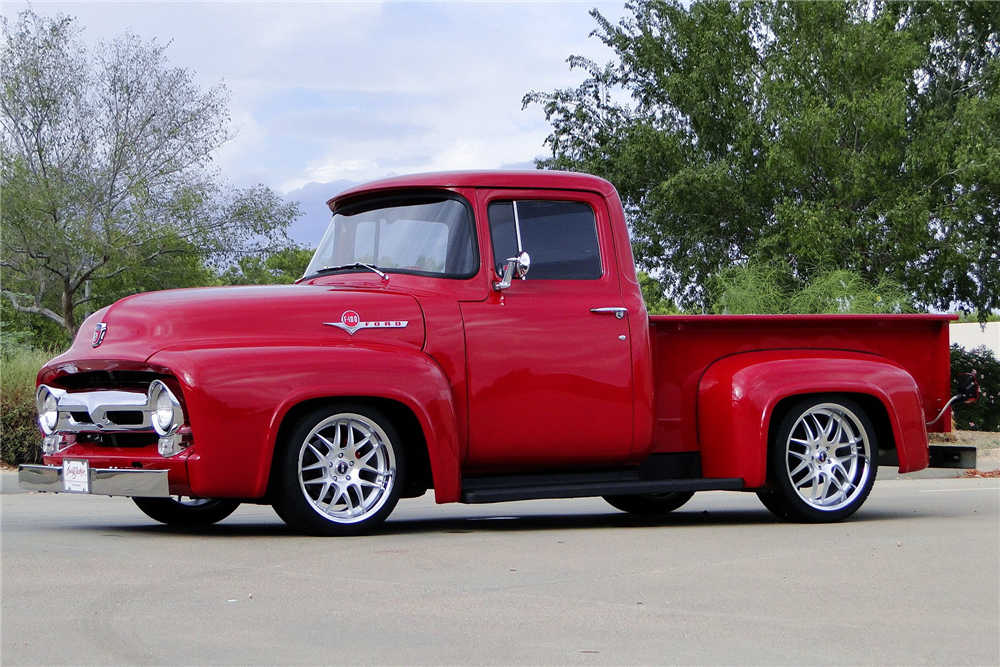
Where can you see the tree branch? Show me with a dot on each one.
(36, 310)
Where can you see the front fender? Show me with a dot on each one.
(737, 396)
(236, 399)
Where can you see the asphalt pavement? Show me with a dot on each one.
(914, 578)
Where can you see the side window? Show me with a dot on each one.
(560, 236)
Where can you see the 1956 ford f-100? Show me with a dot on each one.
(482, 334)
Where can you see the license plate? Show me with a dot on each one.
(76, 476)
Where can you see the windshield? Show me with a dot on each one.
(425, 235)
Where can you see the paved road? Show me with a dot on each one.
(913, 579)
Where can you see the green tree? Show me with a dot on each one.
(657, 303)
(106, 173)
(282, 266)
(853, 134)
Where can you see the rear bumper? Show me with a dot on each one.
(103, 481)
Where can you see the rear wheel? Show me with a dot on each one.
(339, 471)
(649, 503)
(185, 511)
(823, 461)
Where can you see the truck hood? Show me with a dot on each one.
(137, 327)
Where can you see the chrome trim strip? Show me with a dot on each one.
(103, 481)
(389, 324)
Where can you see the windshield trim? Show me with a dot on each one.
(423, 196)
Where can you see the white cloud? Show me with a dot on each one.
(330, 91)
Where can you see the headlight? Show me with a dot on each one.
(48, 410)
(165, 409)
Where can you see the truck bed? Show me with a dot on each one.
(918, 343)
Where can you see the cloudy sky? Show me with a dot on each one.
(325, 94)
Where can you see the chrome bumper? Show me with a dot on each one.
(103, 481)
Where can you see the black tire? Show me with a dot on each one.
(772, 502)
(649, 504)
(823, 460)
(187, 512)
(324, 481)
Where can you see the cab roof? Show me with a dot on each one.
(526, 179)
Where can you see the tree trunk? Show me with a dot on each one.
(69, 322)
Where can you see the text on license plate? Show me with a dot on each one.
(76, 476)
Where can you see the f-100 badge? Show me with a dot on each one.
(350, 322)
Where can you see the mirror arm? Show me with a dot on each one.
(516, 267)
(506, 278)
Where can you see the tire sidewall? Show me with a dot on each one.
(289, 499)
(173, 513)
(649, 504)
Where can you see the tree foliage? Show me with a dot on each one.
(106, 173)
(860, 135)
(652, 294)
(281, 267)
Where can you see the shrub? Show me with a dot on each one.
(19, 434)
(984, 414)
(752, 289)
(772, 288)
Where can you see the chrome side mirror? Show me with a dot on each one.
(516, 267)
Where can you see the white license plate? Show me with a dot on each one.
(76, 476)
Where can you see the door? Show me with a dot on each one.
(550, 378)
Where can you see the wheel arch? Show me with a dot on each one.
(741, 399)
(403, 418)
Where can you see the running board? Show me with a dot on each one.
(581, 485)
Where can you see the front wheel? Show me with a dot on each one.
(823, 461)
(649, 504)
(187, 512)
(339, 471)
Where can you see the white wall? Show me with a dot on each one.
(972, 335)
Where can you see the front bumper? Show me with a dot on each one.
(102, 482)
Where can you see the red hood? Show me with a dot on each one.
(270, 315)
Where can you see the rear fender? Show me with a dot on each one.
(737, 397)
(238, 398)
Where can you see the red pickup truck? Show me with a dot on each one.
(482, 334)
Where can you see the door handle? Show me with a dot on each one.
(617, 311)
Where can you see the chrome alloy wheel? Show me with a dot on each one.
(346, 468)
(828, 457)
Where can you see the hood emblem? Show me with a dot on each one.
(99, 332)
(351, 322)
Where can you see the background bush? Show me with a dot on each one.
(20, 436)
(984, 414)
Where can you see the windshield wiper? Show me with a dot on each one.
(355, 265)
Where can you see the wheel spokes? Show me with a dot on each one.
(354, 471)
(827, 456)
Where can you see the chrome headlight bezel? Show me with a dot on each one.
(47, 405)
(165, 412)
